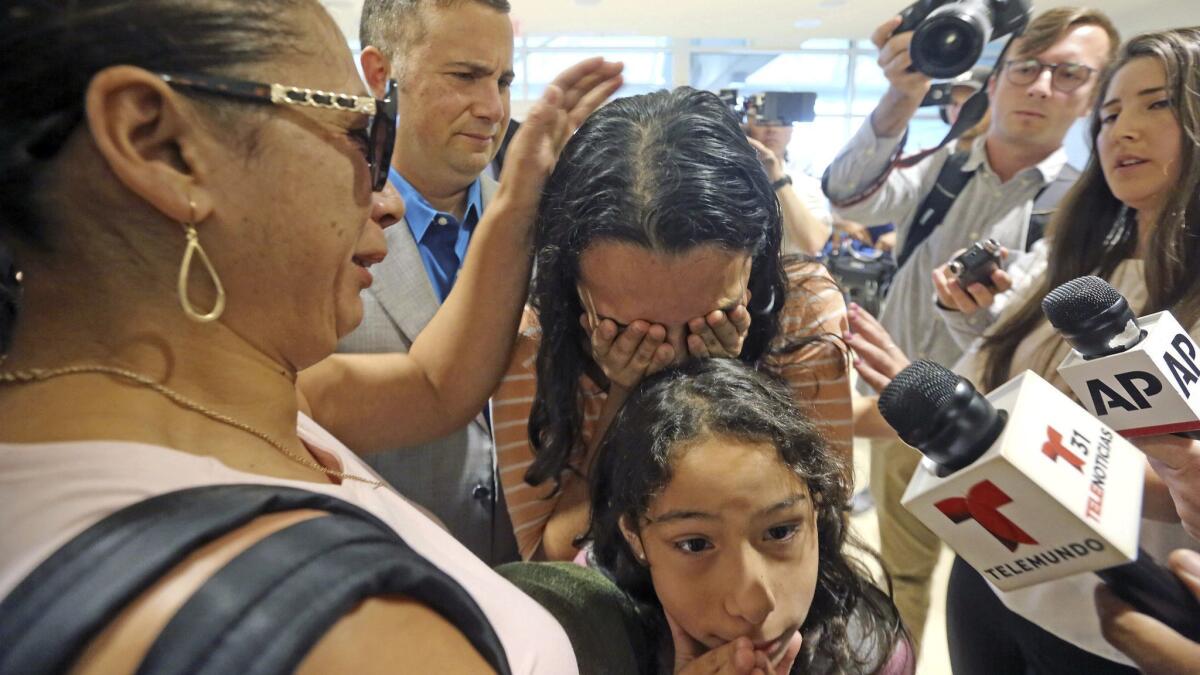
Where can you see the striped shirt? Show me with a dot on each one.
(817, 374)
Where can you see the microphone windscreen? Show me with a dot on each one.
(912, 398)
(1079, 301)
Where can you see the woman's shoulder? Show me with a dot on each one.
(803, 271)
(813, 318)
(196, 558)
(814, 300)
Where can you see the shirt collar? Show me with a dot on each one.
(420, 214)
(474, 204)
(1049, 168)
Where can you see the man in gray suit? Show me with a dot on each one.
(454, 67)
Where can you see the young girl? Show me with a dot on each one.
(717, 509)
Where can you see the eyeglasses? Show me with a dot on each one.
(381, 129)
(1064, 77)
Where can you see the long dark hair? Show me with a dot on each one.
(667, 171)
(1092, 231)
(53, 48)
(723, 397)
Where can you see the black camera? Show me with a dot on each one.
(772, 107)
(731, 99)
(949, 35)
(976, 264)
(782, 107)
(864, 279)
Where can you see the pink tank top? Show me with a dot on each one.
(51, 492)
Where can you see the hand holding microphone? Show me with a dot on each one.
(1155, 648)
(1028, 487)
(1176, 460)
(1139, 376)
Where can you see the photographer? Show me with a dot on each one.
(1046, 82)
(806, 217)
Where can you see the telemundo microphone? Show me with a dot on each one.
(1139, 376)
(1028, 487)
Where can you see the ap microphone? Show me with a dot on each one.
(1138, 376)
(1028, 487)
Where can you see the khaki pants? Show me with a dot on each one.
(909, 550)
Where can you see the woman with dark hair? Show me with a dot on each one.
(658, 240)
(717, 511)
(187, 189)
(1133, 218)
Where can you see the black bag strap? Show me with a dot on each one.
(47, 620)
(933, 209)
(259, 613)
(1046, 203)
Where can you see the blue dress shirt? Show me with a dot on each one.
(441, 238)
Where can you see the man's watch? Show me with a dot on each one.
(786, 180)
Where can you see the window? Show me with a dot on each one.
(537, 59)
(823, 73)
(845, 77)
(843, 73)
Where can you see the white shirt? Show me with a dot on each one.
(986, 208)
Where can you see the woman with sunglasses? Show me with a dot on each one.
(192, 212)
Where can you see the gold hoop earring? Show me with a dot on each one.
(193, 249)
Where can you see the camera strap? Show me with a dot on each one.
(260, 614)
(1046, 203)
(933, 209)
(950, 182)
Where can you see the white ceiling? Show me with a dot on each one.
(765, 23)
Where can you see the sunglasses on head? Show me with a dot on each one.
(381, 130)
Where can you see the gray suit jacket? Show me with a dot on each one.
(454, 477)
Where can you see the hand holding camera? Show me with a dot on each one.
(972, 280)
(948, 36)
(936, 39)
(896, 62)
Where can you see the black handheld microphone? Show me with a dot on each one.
(940, 414)
(1093, 317)
(1138, 376)
(954, 426)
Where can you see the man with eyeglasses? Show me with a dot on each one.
(1045, 84)
(453, 63)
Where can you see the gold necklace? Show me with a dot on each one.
(42, 374)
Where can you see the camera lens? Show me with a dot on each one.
(951, 39)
